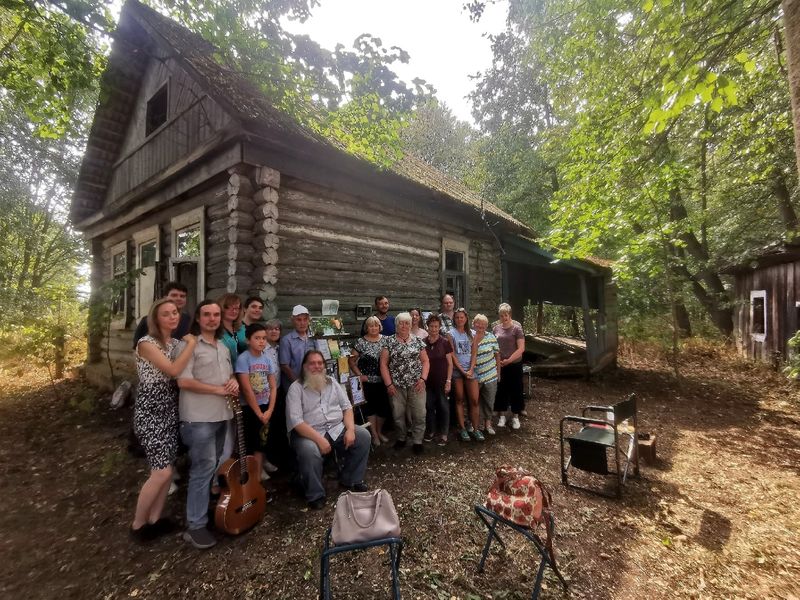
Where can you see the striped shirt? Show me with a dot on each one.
(486, 365)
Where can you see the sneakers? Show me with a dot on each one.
(515, 422)
(428, 437)
(501, 422)
(490, 430)
(269, 467)
(463, 435)
(417, 448)
(200, 538)
(470, 428)
(264, 474)
(145, 533)
(442, 441)
(478, 435)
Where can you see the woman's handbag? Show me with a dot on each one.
(518, 496)
(364, 516)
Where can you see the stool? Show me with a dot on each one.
(491, 519)
(395, 550)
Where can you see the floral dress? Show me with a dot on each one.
(405, 365)
(155, 415)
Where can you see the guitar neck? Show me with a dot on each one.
(236, 407)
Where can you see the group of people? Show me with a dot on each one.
(191, 369)
(411, 368)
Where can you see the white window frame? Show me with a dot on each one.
(758, 337)
(456, 246)
(188, 219)
(140, 238)
(119, 320)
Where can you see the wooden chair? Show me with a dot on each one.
(589, 445)
(491, 519)
(394, 549)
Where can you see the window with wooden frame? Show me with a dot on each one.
(455, 257)
(758, 315)
(187, 256)
(157, 109)
(119, 272)
(148, 253)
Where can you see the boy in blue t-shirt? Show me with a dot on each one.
(257, 390)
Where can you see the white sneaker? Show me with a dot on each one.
(501, 422)
(264, 475)
(490, 430)
(269, 467)
(173, 487)
(515, 422)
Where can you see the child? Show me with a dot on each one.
(257, 386)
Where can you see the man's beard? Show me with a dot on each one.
(316, 381)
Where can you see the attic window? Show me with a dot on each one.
(156, 110)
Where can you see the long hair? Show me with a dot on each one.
(152, 320)
(421, 320)
(195, 328)
(467, 330)
(302, 375)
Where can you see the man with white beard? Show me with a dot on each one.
(320, 419)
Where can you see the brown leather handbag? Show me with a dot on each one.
(364, 516)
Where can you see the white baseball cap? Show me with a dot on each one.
(299, 310)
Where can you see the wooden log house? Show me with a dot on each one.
(191, 175)
(767, 302)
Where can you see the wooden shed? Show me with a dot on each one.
(191, 175)
(767, 302)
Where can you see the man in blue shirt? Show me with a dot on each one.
(382, 312)
(294, 346)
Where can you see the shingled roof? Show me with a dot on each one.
(233, 91)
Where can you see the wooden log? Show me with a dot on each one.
(240, 236)
(269, 256)
(239, 283)
(267, 291)
(242, 252)
(243, 203)
(266, 226)
(267, 274)
(270, 308)
(239, 184)
(216, 264)
(268, 177)
(266, 211)
(215, 293)
(218, 280)
(217, 211)
(218, 225)
(265, 196)
(220, 250)
(238, 218)
(268, 240)
(240, 267)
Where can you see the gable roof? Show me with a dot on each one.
(139, 28)
(777, 253)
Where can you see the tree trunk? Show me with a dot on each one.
(791, 20)
(681, 319)
(784, 198)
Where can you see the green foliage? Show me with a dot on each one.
(661, 138)
(792, 369)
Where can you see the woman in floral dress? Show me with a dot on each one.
(155, 416)
(365, 364)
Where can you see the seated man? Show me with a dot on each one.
(320, 419)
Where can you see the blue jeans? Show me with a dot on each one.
(205, 442)
(352, 461)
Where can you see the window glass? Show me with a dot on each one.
(157, 108)
(453, 261)
(759, 315)
(147, 253)
(188, 242)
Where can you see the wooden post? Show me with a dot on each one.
(588, 325)
(539, 317)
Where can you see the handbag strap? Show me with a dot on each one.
(349, 499)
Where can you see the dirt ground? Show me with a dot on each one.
(717, 517)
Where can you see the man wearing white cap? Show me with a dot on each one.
(294, 346)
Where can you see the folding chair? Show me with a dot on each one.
(394, 550)
(545, 549)
(588, 446)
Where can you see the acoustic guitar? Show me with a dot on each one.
(242, 499)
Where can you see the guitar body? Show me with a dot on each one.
(241, 503)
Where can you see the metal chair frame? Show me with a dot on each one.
(608, 437)
(491, 519)
(394, 549)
